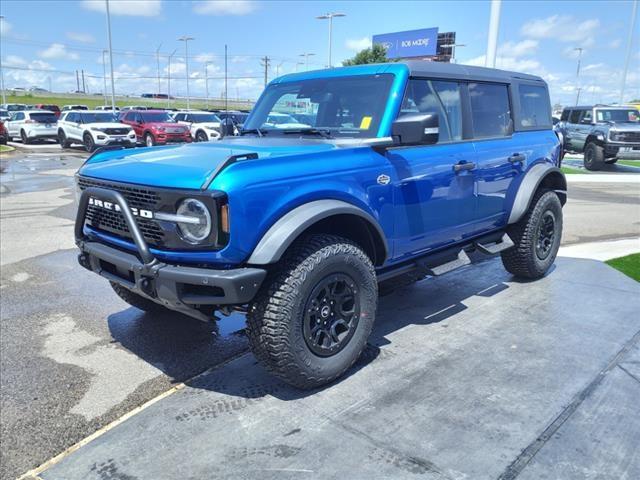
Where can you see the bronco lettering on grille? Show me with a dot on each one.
(114, 207)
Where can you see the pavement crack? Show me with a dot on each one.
(517, 466)
(629, 373)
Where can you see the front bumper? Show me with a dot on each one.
(125, 141)
(168, 138)
(622, 150)
(180, 288)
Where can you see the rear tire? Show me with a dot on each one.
(311, 320)
(536, 237)
(593, 157)
(62, 139)
(136, 300)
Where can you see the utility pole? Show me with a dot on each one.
(4, 96)
(206, 82)
(579, 50)
(104, 76)
(265, 63)
(84, 88)
(634, 12)
(492, 42)
(226, 96)
(113, 86)
(186, 40)
(169, 77)
(158, 62)
(330, 16)
(77, 82)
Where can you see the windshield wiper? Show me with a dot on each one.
(326, 133)
(253, 130)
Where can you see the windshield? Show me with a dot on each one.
(203, 117)
(44, 117)
(97, 117)
(157, 117)
(618, 115)
(343, 106)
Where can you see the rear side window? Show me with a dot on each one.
(565, 115)
(490, 110)
(535, 109)
(575, 116)
(443, 98)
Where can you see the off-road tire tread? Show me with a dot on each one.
(268, 317)
(136, 300)
(518, 260)
(598, 161)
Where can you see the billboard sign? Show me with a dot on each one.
(412, 43)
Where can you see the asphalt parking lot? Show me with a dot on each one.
(468, 374)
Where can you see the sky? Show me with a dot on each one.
(43, 43)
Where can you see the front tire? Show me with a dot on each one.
(24, 138)
(89, 143)
(136, 300)
(149, 141)
(201, 136)
(593, 157)
(536, 237)
(312, 318)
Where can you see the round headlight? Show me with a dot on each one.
(198, 229)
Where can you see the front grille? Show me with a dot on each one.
(113, 222)
(629, 137)
(116, 131)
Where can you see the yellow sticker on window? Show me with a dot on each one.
(365, 123)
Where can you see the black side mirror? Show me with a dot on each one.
(416, 129)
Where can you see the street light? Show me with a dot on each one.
(4, 97)
(330, 16)
(186, 39)
(306, 58)
(113, 87)
(104, 75)
(158, 62)
(627, 56)
(169, 77)
(453, 46)
(579, 50)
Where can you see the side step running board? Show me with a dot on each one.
(495, 248)
(461, 260)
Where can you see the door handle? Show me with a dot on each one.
(459, 167)
(517, 158)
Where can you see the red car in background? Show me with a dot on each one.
(4, 135)
(155, 127)
(51, 108)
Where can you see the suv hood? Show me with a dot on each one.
(188, 165)
(625, 127)
(108, 125)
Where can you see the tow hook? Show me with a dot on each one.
(83, 260)
(146, 285)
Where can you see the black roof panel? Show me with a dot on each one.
(424, 68)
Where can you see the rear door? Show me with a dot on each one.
(572, 129)
(583, 128)
(13, 126)
(500, 159)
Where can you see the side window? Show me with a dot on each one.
(535, 109)
(575, 116)
(179, 117)
(565, 115)
(129, 117)
(18, 116)
(138, 118)
(587, 118)
(490, 110)
(443, 98)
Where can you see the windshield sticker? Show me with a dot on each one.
(365, 123)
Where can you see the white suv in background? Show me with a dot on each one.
(204, 126)
(32, 125)
(93, 129)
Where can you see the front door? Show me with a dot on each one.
(434, 184)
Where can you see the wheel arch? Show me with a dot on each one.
(539, 176)
(593, 137)
(322, 216)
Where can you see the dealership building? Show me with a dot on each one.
(422, 44)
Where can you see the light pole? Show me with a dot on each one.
(158, 62)
(492, 41)
(186, 39)
(4, 96)
(634, 11)
(113, 87)
(330, 16)
(579, 50)
(453, 46)
(169, 77)
(104, 75)
(206, 82)
(306, 58)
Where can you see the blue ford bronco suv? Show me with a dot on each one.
(402, 171)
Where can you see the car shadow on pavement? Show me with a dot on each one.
(177, 344)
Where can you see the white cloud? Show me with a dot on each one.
(204, 57)
(58, 51)
(518, 49)
(616, 43)
(525, 65)
(81, 37)
(358, 44)
(564, 28)
(224, 7)
(5, 27)
(14, 61)
(134, 8)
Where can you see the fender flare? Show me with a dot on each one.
(530, 183)
(288, 228)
